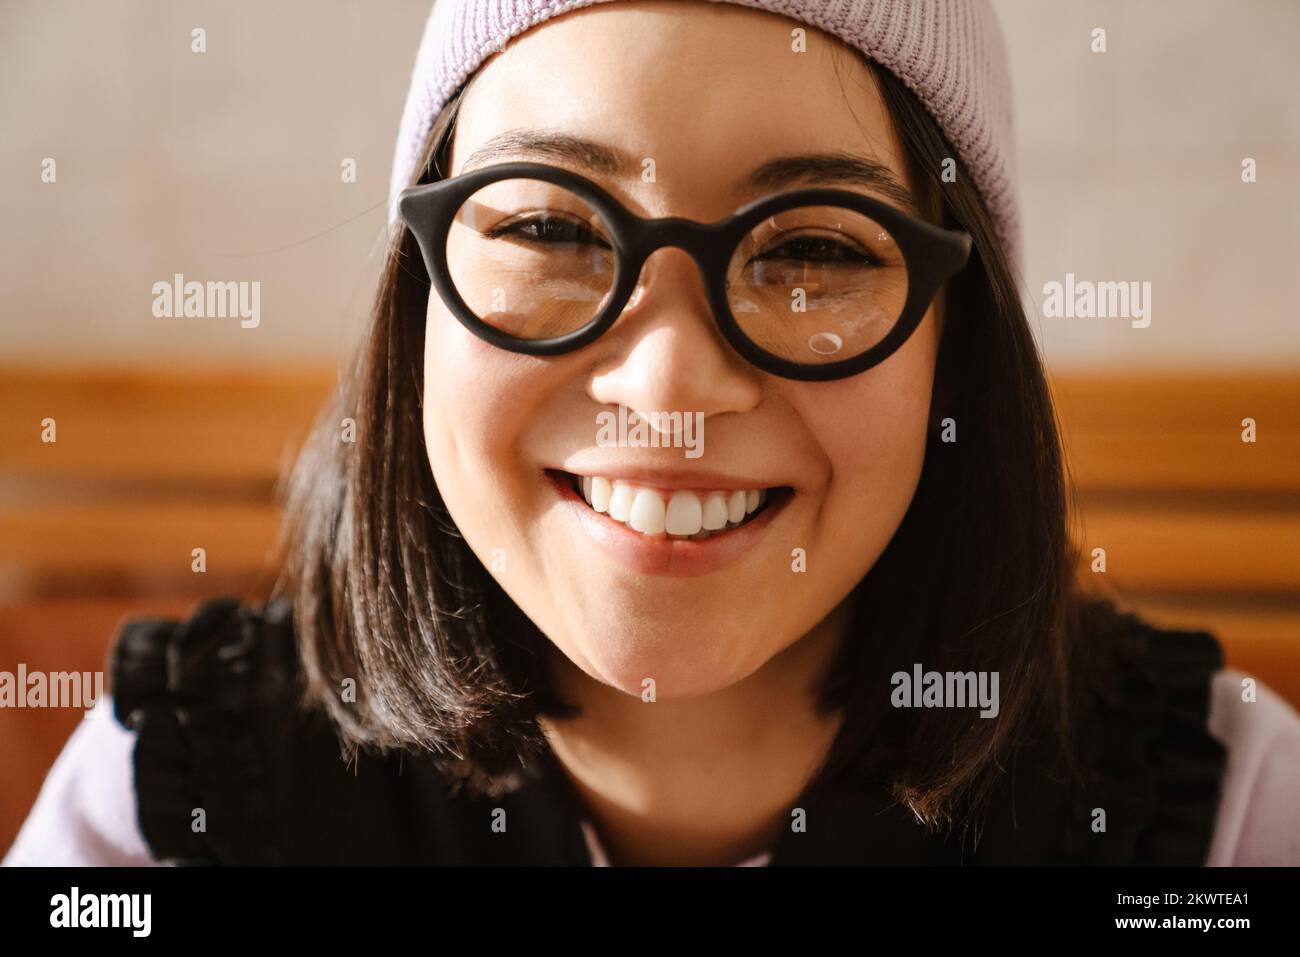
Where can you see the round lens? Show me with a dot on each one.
(530, 258)
(817, 284)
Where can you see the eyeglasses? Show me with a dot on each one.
(813, 284)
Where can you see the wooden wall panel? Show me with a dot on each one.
(1181, 433)
(1201, 531)
(1198, 548)
(155, 426)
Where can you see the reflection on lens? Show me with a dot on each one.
(825, 343)
(817, 284)
(531, 258)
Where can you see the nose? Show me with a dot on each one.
(666, 354)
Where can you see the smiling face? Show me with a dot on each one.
(709, 92)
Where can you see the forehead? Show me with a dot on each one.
(706, 92)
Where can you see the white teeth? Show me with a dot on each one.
(648, 513)
(601, 491)
(715, 511)
(685, 514)
(620, 502)
(682, 513)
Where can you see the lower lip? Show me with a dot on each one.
(660, 555)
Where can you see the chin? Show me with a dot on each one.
(683, 662)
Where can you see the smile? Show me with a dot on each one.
(677, 531)
(679, 514)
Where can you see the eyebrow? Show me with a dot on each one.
(776, 174)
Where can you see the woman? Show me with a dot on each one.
(844, 630)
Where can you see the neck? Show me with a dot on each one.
(708, 780)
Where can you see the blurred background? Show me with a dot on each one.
(230, 165)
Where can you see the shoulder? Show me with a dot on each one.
(227, 653)
(84, 814)
(233, 764)
(183, 693)
(1149, 770)
(1259, 813)
(201, 696)
(1198, 775)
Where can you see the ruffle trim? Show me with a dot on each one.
(1159, 771)
(188, 689)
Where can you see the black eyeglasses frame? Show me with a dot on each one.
(931, 254)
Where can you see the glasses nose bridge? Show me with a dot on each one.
(697, 239)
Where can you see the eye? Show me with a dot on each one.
(548, 229)
(820, 249)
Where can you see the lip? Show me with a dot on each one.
(671, 479)
(660, 555)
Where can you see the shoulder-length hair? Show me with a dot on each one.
(387, 593)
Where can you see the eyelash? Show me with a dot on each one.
(849, 253)
(516, 226)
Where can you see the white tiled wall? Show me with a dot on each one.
(226, 166)
(1130, 169)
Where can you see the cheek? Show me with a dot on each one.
(873, 431)
(475, 410)
(457, 404)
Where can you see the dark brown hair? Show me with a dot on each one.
(387, 593)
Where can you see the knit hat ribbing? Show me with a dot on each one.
(950, 53)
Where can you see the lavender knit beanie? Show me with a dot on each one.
(949, 52)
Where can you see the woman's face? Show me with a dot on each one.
(708, 92)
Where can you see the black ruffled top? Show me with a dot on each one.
(230, 769)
